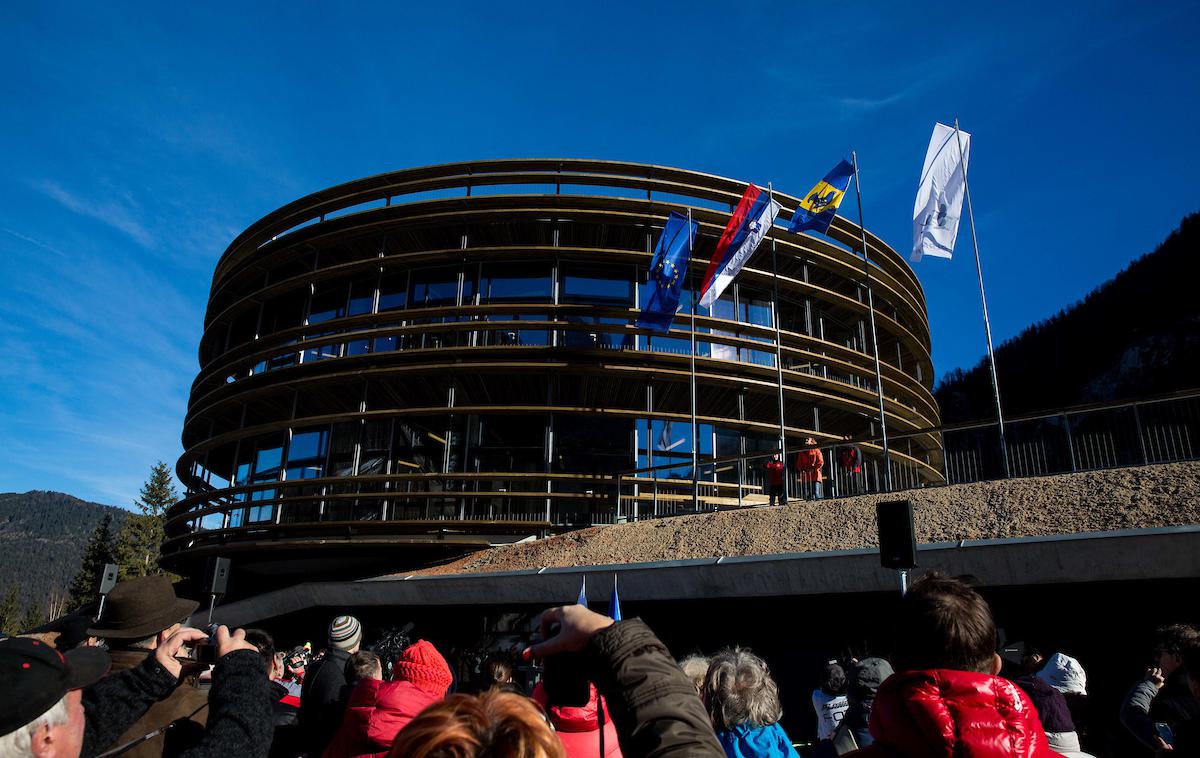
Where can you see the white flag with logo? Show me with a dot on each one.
(940, 194)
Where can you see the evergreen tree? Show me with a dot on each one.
(100, 550)
(142, 535)
(35, 615)
(10, 609)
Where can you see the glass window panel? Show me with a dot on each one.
(599, 446)
(672, 442)
(419, 444)
(612, 286)
(268, 459)
(306, 454)
(375, 442)
(308, 444)
(515, 283)
(433, 287)
(341, 456)
(596, 337)
(385, 344)
(362, 296)
(513, 334)
(324, 352)
(753, 310)
(281, 361)
(393, 292)
(506, 443)
(328, 302)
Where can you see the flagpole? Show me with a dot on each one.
(778, 353)
(695, 426)
(887, 460)
(987, 324)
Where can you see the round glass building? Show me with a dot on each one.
(413, 365)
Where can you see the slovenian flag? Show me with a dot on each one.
(816, 210)
(745, 230)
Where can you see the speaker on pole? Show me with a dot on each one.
(216, 576)
(897, 539)
(216, 581)
(108, 580)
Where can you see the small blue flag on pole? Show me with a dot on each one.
(667, 269)
(614, 605)
(583, 593)
(816, 209)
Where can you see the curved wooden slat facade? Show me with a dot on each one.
(438, 358)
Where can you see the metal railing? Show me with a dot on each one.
(1081, 438)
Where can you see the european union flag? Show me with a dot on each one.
(817, 209)
(614, 605)
(667, 270)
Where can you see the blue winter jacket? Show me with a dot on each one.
(748, 741)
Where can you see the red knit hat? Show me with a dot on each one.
(424, 666)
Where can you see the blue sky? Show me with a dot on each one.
(140, 139)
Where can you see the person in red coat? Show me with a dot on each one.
(947, 698)
(809, 463)
(378, 710)
(578, 729)
(775, 489)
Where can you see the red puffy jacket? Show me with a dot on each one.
(376, 713)
(943, 713)
(578, 729)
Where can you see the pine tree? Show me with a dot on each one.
(35, 615)
(137, 549)
(10, 610)
(100, 550)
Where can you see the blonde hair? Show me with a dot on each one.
(695, 667)
(496, 723)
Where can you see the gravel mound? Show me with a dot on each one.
(1130, 498)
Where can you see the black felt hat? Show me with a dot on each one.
(139, 608)
(34, 676)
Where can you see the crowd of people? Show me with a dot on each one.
(136, 682)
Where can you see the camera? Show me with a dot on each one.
(204, 651)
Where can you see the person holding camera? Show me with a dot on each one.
(139, 616)
(652, 702)
(1161, 703)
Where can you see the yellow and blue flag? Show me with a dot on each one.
(817, 209)
(667, 269)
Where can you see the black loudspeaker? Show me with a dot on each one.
(897, 540)
(216, 576)
(108, 579)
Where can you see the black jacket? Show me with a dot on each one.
(653, 704)
(323, 700)
(239, 721)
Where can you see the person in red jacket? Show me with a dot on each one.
(809, 463)
(378, 710)
(946, 697)
(578, 729)
(775, 489)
